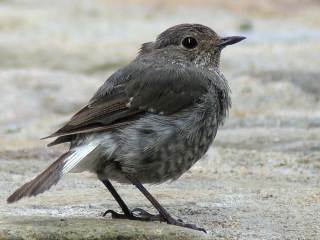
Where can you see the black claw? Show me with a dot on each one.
(140, 211)
(180, 223)
(115, 215)
(108, 211)
(148, 216)
(203, 230)
(194, 227)
(135, 214)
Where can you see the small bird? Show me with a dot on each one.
(149, 122)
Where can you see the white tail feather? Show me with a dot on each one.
(79, 153)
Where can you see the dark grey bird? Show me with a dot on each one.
(150, 121)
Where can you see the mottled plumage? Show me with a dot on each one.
(152, 119)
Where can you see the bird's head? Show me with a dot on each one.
(191, 42)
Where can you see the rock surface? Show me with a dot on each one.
(261, 178)
(88, 228)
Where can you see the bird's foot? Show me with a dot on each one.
(142, 215)
(180, 223)
(136, 214)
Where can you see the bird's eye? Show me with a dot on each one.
(189, 42)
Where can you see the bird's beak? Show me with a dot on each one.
(230, 40)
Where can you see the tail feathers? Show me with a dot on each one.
(42, 182)
(68, 162)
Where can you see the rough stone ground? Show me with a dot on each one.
(259, 181)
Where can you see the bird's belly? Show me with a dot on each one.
(174, 159)
(176, 156)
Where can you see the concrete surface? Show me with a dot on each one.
(260, 180)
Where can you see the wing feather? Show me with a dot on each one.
(140, 88)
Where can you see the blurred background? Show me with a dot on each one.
(260, 179)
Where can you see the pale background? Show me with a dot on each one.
(261, 178)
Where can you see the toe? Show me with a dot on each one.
(141, 212)
(115, 215)
(107, 212)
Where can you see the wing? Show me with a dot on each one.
(139, 88)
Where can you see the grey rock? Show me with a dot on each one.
(88, 228)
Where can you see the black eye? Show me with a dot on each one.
(189, 42)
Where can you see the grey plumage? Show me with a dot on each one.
(152, 119)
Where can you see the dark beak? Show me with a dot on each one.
(230, 40)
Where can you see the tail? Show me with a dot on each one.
(49, 177)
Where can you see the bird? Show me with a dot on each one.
(149, 122)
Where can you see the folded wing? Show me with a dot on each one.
(133, 91)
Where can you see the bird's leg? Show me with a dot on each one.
(163, 212)
(135, 214)
(122, 204)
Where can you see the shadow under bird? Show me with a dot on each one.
(149, 122)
